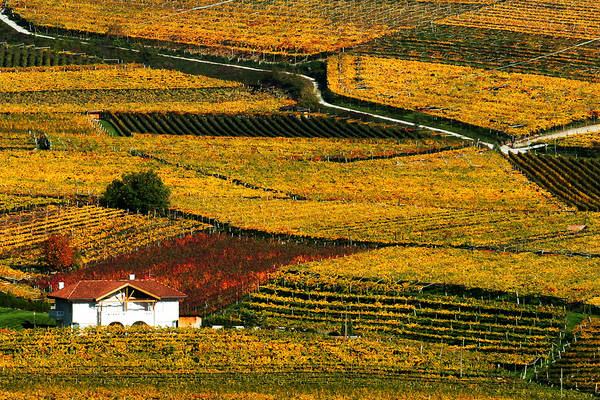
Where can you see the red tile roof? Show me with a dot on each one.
(93, 290)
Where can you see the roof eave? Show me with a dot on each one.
(69, 299)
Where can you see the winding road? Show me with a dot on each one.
(522, 146)
(4, 18)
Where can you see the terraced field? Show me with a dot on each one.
(513, 334)
(579, 365)
(330, 256)
(575, 181)
(96, 232)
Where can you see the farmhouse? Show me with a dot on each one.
(119, 302)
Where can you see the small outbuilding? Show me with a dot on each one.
(577, 228)
(120, 302)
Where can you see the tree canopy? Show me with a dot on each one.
(137, 191)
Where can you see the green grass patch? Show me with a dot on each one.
(12, 318)
(108, 127)
(574, 319)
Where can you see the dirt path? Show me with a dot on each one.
(316, 89)
(19, 28)
(558, 135)
(521, 146)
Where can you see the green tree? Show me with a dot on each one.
(250, 318)
(137, 191)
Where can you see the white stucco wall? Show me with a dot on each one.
(84, 314)
(167, 313)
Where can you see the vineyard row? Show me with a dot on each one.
(250, 126)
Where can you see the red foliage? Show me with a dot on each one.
(58, 252)
(213, 269)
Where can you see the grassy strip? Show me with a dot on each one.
(109, 128)
(284, 386)
(11, 318)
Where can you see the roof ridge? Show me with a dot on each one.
(99, 288)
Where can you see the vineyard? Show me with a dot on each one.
(584, 144)
(490, 49)
(573, 18)
(81, 173)
(423, 392)
(12, 56)
(482, 180)
(372, 389)
(359, 199)
(574, 181)
(96, 232)
(18, 131)
(579, 364)
(252, 126)
(126, 87)
(512, 333)
(102, 355)
(255, 362)
(12, 203)
(589, 140)
(512, 103)
(558, 278)
(100, 76)
(213, 269)
(284, 27)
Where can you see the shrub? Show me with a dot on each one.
(9, 300)
(251, 318)
(138, 191)
(42, 142)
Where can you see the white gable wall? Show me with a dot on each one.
(167, 313)
(112, 310)
(85, 314)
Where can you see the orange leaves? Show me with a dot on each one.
(573, 18)
(528, 274)
(107, 77)
(277, 27)
(128, 87)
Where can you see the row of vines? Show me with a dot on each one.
(573, 180)
(251, 126)
(516, 333)
(30, 56)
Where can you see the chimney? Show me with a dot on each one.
(131, 277)
(61, 285)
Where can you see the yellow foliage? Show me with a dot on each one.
(515, 103)
(570, 278)
(573, 18)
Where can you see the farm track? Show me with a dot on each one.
(316, 89)
(557, 135)
(318, 94)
